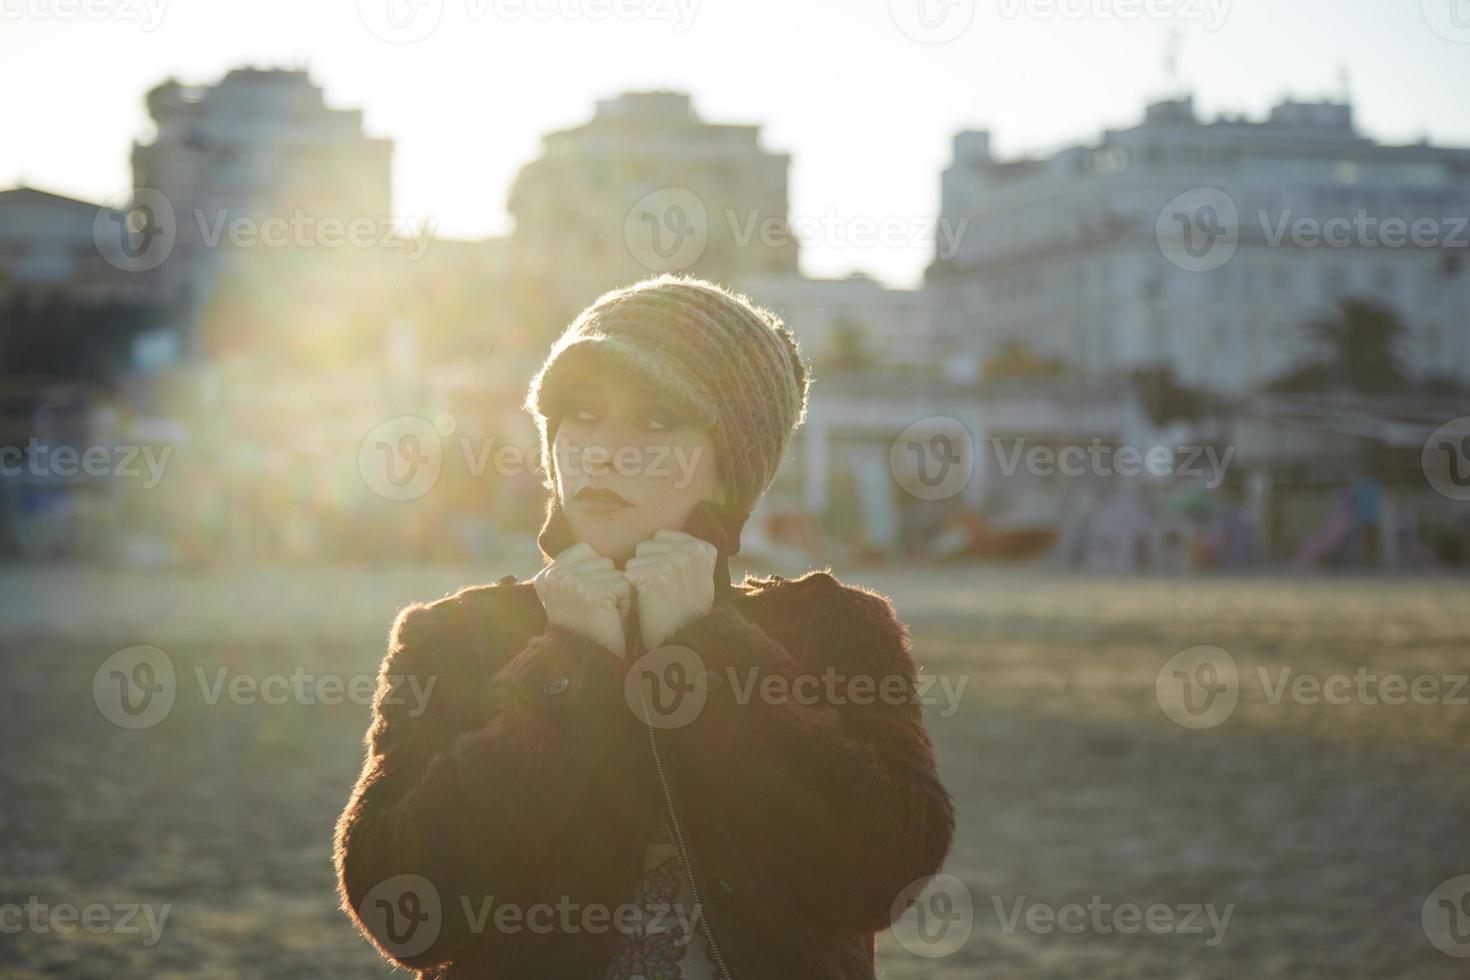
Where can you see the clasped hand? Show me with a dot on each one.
(670, 577)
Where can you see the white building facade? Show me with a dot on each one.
(1206, 246)
(853, 322)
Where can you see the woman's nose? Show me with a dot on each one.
(605, 445)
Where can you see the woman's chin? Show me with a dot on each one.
(610, 541)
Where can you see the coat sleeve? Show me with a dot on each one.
(815, 755)
(465, 792)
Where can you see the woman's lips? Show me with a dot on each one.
(601, 501)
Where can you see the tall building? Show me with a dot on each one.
(261, 143)
(1206, 245)
(647, 186)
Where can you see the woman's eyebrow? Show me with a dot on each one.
(653, 400)
(645, 390)
(644, 400)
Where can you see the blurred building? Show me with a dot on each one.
(69, 314)
(854, 322)
(301, 383)
(1067, 253)
(646, 186)
(840, 474)
(1348, 481)
(261, 143)
(49, 251)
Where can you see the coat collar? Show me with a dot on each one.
(715, 523)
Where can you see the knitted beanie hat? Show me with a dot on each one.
(720, 359)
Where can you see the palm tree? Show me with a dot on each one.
(1359, 351)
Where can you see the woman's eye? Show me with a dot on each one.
(580, 412)
(657, 423)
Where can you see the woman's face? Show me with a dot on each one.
(627, 466)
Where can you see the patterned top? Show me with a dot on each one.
(667, 942)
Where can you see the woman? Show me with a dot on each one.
(629, 767)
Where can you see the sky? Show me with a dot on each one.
(865, 95)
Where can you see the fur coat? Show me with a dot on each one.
(498, 827)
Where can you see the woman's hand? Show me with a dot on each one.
(674, 575)
(581, 591)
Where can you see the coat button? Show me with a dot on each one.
(557, 686)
